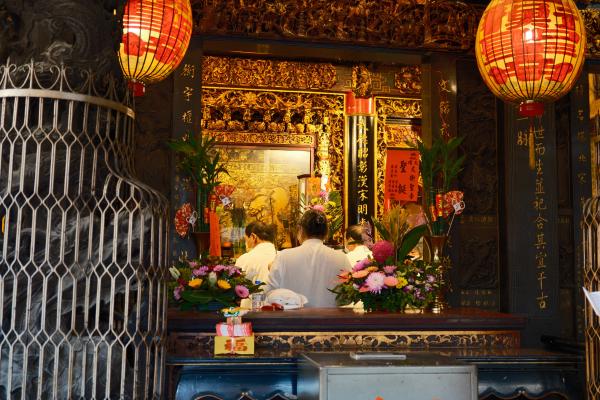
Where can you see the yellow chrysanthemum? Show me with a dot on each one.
(373, 268)
(223, 284)
(401, 282)
(195, 283)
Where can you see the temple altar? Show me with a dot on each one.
(489, 340)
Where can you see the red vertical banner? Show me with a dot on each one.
(401, 176)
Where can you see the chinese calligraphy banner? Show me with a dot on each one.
(401, 175)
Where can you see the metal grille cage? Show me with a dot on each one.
(83, 243)
(591, 276)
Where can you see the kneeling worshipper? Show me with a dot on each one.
(261, 251)
(311, 268)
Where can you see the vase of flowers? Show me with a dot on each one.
(440, 166)
(390, 280)
(205, 287)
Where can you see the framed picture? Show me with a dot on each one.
(265, 181)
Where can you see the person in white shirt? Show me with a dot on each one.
(311, 268)
(355, 244)
(261, 251)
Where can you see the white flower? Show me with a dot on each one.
(174, 272)
(212, 278)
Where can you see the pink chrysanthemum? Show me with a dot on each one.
(375, 282)
(242, 291)
(389, 269)
(382, 250)
(319, 207)
(203, 270)
(362, 264)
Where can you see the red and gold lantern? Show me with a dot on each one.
(530, 52)
(156, 35)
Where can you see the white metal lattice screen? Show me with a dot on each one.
(83, 245)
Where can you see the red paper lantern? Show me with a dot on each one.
(156, 35)
(530, 51)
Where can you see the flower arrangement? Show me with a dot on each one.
(387, 287)
(440, 166)
(201, 287)
(390, 280)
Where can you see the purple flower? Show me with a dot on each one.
(233, 270)
(200, 271)
(427, 287)
(375, 282)
(408, 288)
(219, 268)
(382, 250)
(418, 294)
(177, 292)
(193, 264)
(324, 195)
(362, 264)
(389, 269)
(242, 291)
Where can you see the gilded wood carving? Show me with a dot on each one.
(439, 24)
(248, 72)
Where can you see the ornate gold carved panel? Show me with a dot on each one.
(341, 341)
(443, 24)
(591, 18)
(247, 72)
(239, 116)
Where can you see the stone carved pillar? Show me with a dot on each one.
(83, 246)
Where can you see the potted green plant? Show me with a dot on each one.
(202, 163)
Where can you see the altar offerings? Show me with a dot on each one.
(385, 376)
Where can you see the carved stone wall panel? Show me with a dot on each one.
(401, 24)
(475, 251)
(153, 127)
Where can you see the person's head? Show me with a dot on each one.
(354, 236)
(258, 232)
(313, 225)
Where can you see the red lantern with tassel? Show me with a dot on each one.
(530, 52)
(156, 35)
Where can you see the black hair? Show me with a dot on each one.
(355, 232)
(314, 224)
(261, 230)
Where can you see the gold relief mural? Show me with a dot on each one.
(247, 72)
(444, 24)
(262, 178)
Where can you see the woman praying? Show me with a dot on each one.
(311, 268)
